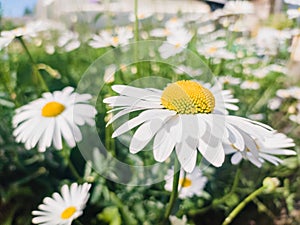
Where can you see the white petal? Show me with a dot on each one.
(144, 134)
(161, 114)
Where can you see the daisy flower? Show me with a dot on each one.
(257, 151)
(176, 221)
(190, 184)
(293, 13)
(120, 36)
(186, 116)
(29, 30)
(63, 208)
(175, 43)
(46, 120)
(251, 85)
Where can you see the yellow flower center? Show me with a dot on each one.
(177, 45)
(299, 9)
(212, 50)
(188, 97)
(52, 109)
(115, 40)
(185, 182)
(68, 212)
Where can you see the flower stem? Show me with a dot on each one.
(136, 21)
(240, 206)
(77, 222)
(174, 193)
(73, 170)
(221, 200)
(38, 77)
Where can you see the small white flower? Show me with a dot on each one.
(174, 23)
(190, 184)
(293, 2)
(109, 75)
(176, 221)
(292, 92)
(160, 32)
(239, 7)
(46, 120)
(215, 49)
(69, 41)
(229, 80)
(63, 208)
(186, 116)
(182, 69)
(141, 15)
(30, 30)
(274, 103)
(120, 36)
(175, 43)
(252, 85)
(293, 13)
(262, 149)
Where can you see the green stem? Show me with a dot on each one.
(73, 170)
(174, 193)
(136, 21)
(128, 217)
(77, 222)
(240, 206)
(221, 200)
(36, 72)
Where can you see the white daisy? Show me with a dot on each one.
(120, 36)
(29, 30)
(190, 184)
(257, 151)
(249, 84)
(293, 13)
(175, 43)
(46, 120)
(63, 208)
(186, 116)
(239, 7)
(229, 80)
(176, 221)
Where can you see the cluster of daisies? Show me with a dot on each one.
(187, 117)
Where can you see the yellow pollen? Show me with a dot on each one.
(115, 40)
(185, 182)
(52, 109)
(188, 97)
(212, 50)
(299, 9)
(177, 45)
(68, 212)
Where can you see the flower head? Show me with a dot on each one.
(190, 184)
(55, 115)
(259, 150)
(120, 36)
(63, 208)
(187, 116)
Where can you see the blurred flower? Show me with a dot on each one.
(267, 41)
(182, 69)
(204, 29)
(238, 7)
(229, 80)
(216, 50)
(175, 43)
(68, 41)
(274, 103)
(160, 32)
(190, 184)
(293, 2)
(252, 85)
(291, 92)
(55, 115)
(30, 30)
(63, 208)
(187, 116)
(141, 15)
(109, 75)
(174, 23)
(262, 149)
(293, 13)
(120, 36)
(176, 221)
